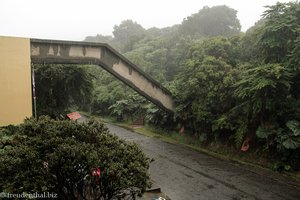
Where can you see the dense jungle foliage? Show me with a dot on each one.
(61, 88)
(228, 85)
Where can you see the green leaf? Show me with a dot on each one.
(291, 143)
(294, 126)
(263, 133)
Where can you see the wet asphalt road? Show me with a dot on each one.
(184, 174)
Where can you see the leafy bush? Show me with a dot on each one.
(132, 106)
(285, 140)
(288, 138)
(58, 156)
(159, 118)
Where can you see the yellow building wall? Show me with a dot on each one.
(15, 80)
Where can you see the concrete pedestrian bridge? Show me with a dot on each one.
(17, 54)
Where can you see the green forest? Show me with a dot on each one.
(229, 86)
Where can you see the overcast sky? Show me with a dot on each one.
(76, 19)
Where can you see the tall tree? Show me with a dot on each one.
(279, 39)
(280, 35)
(128, 33)
(99, 38)
(59, 87)
(203, 87)
(214, 21)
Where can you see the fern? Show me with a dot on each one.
(240, 134)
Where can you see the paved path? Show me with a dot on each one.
(184, 174)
